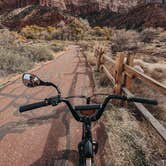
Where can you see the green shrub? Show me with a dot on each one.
(98, 31)
(37, 32)
(104, 32)
(32, 32)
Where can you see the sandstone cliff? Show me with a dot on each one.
(119, 13)
(73, 5)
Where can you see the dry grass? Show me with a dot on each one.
(104, 81)
(22, 59)
(155, 68)
(158, 74)
(42, 54)
(143, 90)
(131, 140)
(13, 62)
(149, 41)
(123, 137)
(149, 34)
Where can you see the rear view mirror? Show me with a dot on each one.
(30, 80)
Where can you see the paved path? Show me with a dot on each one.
(47, 136)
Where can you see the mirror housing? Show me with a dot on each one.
(31, 80)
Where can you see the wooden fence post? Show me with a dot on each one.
(99, 52)
(119, 73)
(98, 62)
(128, 77)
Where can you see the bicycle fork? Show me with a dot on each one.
(87, 147)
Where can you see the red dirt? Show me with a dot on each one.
(41, 137)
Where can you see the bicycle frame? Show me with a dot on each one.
(87, 147)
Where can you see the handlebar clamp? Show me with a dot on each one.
(53, 101)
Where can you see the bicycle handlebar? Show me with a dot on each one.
(50, 101)
(33, 106)
(131, 99)
(142, 100)
(100, 107)
(87, 107)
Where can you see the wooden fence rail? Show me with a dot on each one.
(148, 116)
(121, 77)
(146, 79)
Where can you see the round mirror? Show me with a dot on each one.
(30, 80)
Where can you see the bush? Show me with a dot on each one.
(98, 31)
(12, 62)
(123, 40)
(22, 58)
(74, 30)
(148, 34)
(37, 32)
(32, 32)
(102, 32)
(41, 54)
(16, 56)
(9, 39)
(57, 47)
(84, 23)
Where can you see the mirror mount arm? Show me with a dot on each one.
(50, 84)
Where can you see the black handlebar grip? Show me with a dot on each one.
(87, 107)
(142, 100)
(33, 106)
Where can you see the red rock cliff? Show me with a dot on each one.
(72, 5)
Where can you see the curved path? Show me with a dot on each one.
(47, 136)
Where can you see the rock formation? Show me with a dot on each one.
(77, 6)
(98, 12)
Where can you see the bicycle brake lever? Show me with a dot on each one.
(54, 100)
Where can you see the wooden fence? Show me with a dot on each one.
(121, 73)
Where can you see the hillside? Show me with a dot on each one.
(121, 14)
(30, 15)
(148, 15)
(113, 5)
